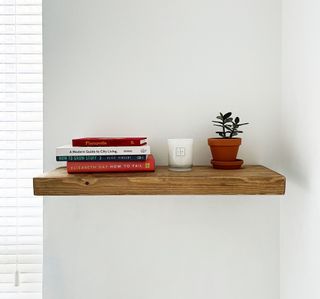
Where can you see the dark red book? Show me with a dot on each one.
(111, 166)
(109, 141)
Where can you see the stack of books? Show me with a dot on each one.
(109, 154)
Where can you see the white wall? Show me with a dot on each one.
(161, 247)
(162, 69)
(300, 213)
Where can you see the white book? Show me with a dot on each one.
(69, 150)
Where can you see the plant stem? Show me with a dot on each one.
(232, 131)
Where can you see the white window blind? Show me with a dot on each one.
(20, 148)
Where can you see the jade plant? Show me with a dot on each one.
(229, 125)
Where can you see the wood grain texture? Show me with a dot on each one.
(202, 180)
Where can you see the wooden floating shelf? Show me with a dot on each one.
(202, 180)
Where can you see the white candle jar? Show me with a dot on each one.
(180, 154)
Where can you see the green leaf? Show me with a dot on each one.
(228, 120)
(237, 120)
(243, 124)
(217, 122)
(227, 115)
(219, 117)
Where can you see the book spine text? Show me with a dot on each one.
(102, 158)
(102, 151)
(123, 166)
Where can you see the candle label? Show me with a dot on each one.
(180, 151)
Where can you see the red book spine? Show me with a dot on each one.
(121, 166)
(109, 141)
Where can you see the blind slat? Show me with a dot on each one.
(20, 147)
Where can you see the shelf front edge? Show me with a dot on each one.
(253, 180)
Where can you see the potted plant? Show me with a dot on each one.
(224, 150)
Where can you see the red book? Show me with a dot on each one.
(112, 166)
(109, 141)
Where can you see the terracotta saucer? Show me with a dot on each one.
(236, 164)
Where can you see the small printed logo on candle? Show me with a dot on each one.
(180, 151)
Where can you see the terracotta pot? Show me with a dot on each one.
(224, 149)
